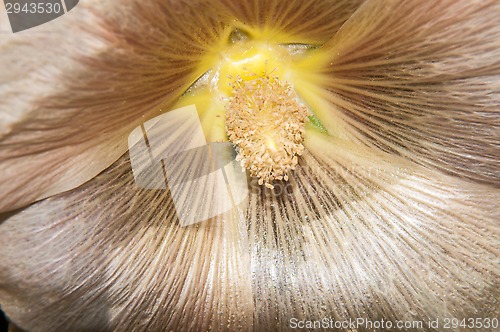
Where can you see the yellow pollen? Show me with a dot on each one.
(266, 122)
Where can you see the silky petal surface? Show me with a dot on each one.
(393, 216)
(421, 79)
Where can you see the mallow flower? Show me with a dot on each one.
(368, 132)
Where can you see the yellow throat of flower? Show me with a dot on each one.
(246, 97)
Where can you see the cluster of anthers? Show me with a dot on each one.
(266, 122)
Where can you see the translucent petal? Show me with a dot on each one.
(110, 255)
(368, 226)
(362, 234)
(421, 79)
(348, 236)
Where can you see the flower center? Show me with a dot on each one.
(246, 97)
(267, 124)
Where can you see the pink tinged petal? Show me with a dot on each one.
(351, 236)
(345, 237)
(422, 79)
(34, 158)
(112, 256)
(74, 121)
(305, 21)
(360, 232)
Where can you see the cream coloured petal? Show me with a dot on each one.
(383, 237)
(348, 236)
(361, 234)
(60, 126)
(422, 79)
(32, 66)
(111, 256)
